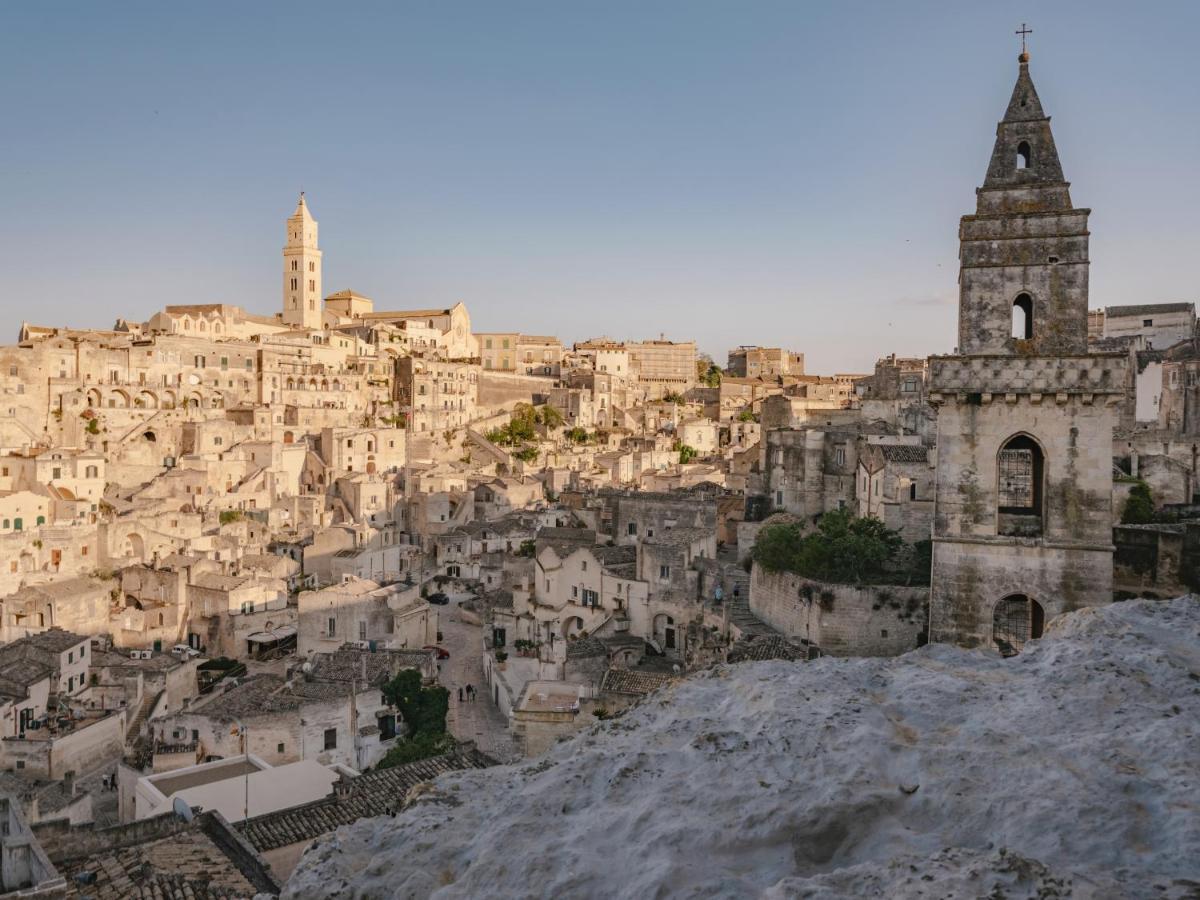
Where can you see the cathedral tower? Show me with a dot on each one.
(1023, 514)
(302, 270)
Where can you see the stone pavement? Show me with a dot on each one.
(477, 721)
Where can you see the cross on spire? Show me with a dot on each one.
(1024, 30)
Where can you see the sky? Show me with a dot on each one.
(776, 173)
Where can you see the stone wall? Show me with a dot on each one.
(504, 390)
(841, 619)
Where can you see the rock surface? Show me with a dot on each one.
(1072, 770)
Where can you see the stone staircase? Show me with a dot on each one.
(134, 728)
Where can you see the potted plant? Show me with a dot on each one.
(501, 659)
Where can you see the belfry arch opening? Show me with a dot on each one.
(1024, 155)
(1022, 317)
(1020, 472)
(1016, 620)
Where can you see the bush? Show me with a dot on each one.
(686, 453)
(577, 435)
(527, 454)
(1139, 506)
(843, 549)
(230, 515)
(417, 748)
(747, 415)
(423, 708)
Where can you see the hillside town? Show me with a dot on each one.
(244, 550)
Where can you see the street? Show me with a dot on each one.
(477, 721)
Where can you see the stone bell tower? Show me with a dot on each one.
(1023, 513)
(302, 270)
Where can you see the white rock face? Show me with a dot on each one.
(1072, 770)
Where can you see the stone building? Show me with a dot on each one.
(764, 362)
(1025, 414)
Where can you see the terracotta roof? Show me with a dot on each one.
(376, 793)
(904, 453)
(765, 647)
(631, 681)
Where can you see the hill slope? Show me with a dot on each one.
(1070, 770)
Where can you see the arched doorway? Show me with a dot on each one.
(572, 627)
(664, 632)
(1016, 620)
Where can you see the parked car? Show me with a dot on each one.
(442, 652)
(438, 599)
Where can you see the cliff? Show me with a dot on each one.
(1072, 770)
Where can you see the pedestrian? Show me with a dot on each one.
(460, 693)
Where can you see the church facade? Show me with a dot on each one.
(1023, 506)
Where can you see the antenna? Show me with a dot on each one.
(181, 808)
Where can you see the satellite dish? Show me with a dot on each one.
(182, 809)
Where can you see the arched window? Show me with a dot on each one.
(1024, 155)
(1022, 317)
(1020, 471)
(1015, 620)
(41, 520)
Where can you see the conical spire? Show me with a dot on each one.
(301, 207)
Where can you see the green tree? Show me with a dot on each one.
(550, 417)
(1139, 505)
(686, 453)
(842, 549)
(423, 708)
(577, 434)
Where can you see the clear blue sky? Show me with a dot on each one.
(775, 173)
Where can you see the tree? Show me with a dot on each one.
(843, 549)
(550, 417)
(1139, 505)
(686, 453)
(577, 435)
(423, 710)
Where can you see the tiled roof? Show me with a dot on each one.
(904, 453)
(586, 647)
(631, 681)
(199, 860)
(1148, 309)
(765, 647)
(376, 793)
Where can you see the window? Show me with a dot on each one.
(362, 631)
(839, 455)
(584, 565)
(387, 727)
(1146, 323)
(664, 573)
(56, 472)
(1020, 467)
(331, 626)
(70, 657)
(224, 362)
(631, 528)
(330, 738)
(574, 590)
(1024, 155)
(912, 491)
(1022, 321)
(591, 598)
(279, 748)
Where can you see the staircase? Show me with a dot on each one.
(134, 728)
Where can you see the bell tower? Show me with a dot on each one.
(1023, 507)
(302, 270)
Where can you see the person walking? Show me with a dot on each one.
(460, 693)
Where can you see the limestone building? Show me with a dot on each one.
(1022, 529)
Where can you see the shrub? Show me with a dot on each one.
(1139, 505)
(686, 453)
(230, 515)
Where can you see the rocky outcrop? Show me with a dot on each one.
(1071, 770)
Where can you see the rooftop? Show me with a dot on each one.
(373, 794)
(630, 681)
(1148, 309)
